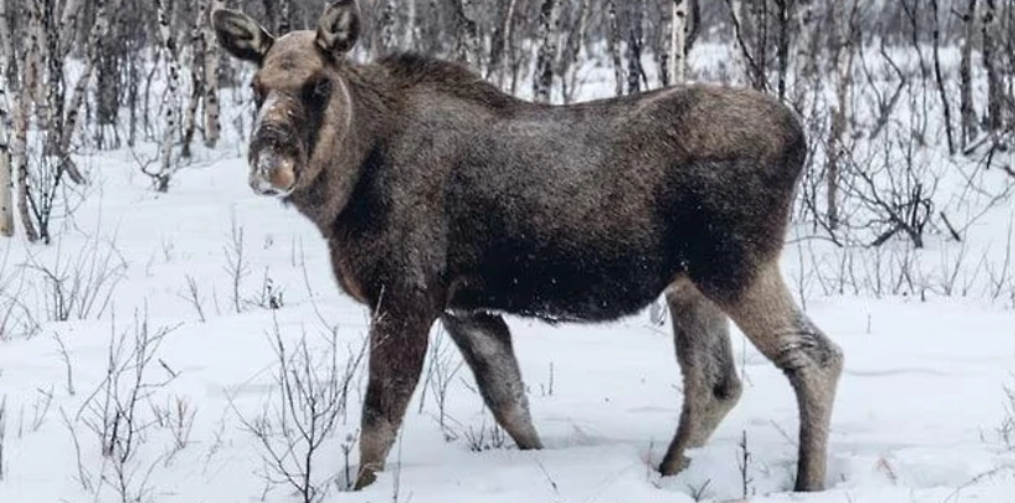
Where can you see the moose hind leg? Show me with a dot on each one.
(485, 343)
(711, 385)
(766, 312)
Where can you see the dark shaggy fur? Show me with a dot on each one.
(443, 198)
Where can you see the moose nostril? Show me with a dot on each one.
(265, 162)
(272, 172)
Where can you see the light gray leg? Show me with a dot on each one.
(485, 343)
(711, 385)
(768, 315)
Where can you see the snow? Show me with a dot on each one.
(917, 419)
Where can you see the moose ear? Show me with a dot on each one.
(240, 35)
(338, 28)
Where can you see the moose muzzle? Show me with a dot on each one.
(272, 173)
(276, 152)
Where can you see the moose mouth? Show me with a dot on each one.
(273, 174)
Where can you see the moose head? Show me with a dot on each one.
(303, 104)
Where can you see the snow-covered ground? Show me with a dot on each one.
(920, 415)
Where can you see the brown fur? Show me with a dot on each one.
(443, 198)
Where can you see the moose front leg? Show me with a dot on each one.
(398, 345)
(485, 343)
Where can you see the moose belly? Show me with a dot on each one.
(562, 284)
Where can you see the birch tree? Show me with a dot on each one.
(171, 100)
(613, 45)
(467, 39)
(502, 43)
(845, 32)
(939, 75)
(543, 77)
(635, 45)
(22, 117)
(6, 199)
(212, 112)
(6, 196)
(569, 65)
(967, 110)
(995, 88)
(198, 54)
(96, 40)
(678, 42)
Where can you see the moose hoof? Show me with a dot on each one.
(808, 486)
(365, 478)
(673, 465)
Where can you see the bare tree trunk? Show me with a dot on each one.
(995, 89)
(22, 118)
(198, 50)
(7, 57)
(678, 42)
(749, 30)
(569, 61)
(69, 25)
(50, 79)
(171, 101)
(543, 79)
(284, 17)
(386, 28)
(846, 33)
(1007, 23)
(635, 45)
(966, 107)
(6, 197)
(95, 42)
(784, 14)
(613, 44)
(809, 51)
(759, 23)
(939, 76)
(212, 126)
(270, 14)
(468, 34)
(502, 45)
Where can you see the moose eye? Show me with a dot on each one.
(316, 91)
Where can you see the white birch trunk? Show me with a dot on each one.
(844, 85)
(6, 196)
(995, 88)
(22, 118)
(966, 106)
(543, 78)
(171, 100)
(212, 125)
(95, 39)
(198, 50)
(69, 20)
(613, 39)
(572, 52)
(507, 56)
(678, 42)
(6, 49)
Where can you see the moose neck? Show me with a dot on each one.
(340, 160)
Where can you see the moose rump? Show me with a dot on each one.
(441, 197)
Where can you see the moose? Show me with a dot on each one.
(441, 197)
